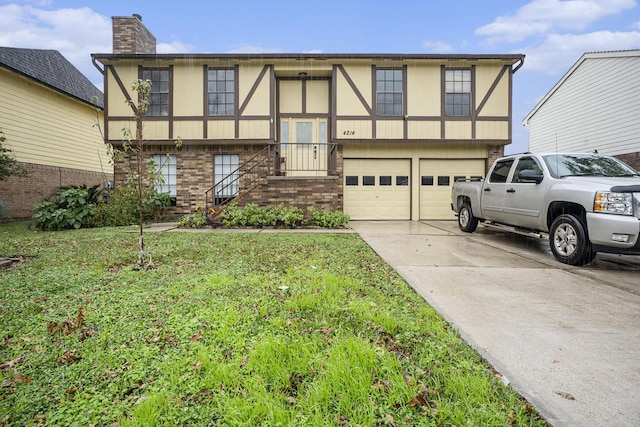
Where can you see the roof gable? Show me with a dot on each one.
(585, 57)
(52, 69)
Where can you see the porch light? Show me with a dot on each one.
(302, 75)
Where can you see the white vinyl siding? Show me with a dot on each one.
(595, 107)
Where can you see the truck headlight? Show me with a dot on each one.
(614, 203)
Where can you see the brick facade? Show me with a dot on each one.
(632, 159)
(493, 152)
(131, 36)
(195, 175)
(20, 194)
(320, 192)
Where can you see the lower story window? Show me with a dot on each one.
(225, 175)
(165, 167)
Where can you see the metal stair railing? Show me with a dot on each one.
(241, 181)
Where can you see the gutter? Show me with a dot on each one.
(521, 63)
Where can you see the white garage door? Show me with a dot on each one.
(436, 180)
(377, 188)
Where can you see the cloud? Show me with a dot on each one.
(437, 46)
(250, 48)
(540, 17)
(174, 47)
(75, 33)
(558, 52)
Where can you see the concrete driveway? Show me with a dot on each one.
(567, 338)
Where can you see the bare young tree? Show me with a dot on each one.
(144, 172)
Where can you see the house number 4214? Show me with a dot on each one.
(349, 132)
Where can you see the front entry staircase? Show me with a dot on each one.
(247, 177)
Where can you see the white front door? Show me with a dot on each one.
(303, 147)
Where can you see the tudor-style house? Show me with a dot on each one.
(379, 136)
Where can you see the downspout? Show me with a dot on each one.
(95, 64)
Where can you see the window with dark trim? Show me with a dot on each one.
(165, 167)
(221, 91)
(351, 180)
(389, 94)
(225, 176)
(427, 180)
(385, 180)
(368, 180)
(457, 92)
(459, 178)
(159, 92)
(443, 180)
(402, 180)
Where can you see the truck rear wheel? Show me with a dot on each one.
(466, 221)
(569, 241)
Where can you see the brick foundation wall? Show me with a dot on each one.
(20, 194)
(632, 159)
(320, 192)
(194, 165)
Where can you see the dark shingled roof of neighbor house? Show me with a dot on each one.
(50, 68)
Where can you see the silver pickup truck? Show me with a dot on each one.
(587, 203)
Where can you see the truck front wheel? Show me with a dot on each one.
(466, 221)
(569, 241)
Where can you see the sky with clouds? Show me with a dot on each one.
(553, 34)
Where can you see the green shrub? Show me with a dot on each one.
(71, 208)
(122, 206)
(280, 216)
(197, 220)
(256, 216)
(233, 216)
(327, 219)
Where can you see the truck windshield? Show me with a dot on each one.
(563, 165)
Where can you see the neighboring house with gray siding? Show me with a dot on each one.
(595, 106)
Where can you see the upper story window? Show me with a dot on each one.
(159, 94)
(221, 92)
(389, 84)
(458, 92)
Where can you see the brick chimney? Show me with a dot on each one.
(131, 36)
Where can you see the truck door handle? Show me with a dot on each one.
(487, 189)
(511, 190)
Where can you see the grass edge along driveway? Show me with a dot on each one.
(229, 329)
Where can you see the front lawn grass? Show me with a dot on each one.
(229, 329)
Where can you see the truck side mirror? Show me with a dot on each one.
(529, 175)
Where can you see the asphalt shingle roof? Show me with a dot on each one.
(52, 69)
